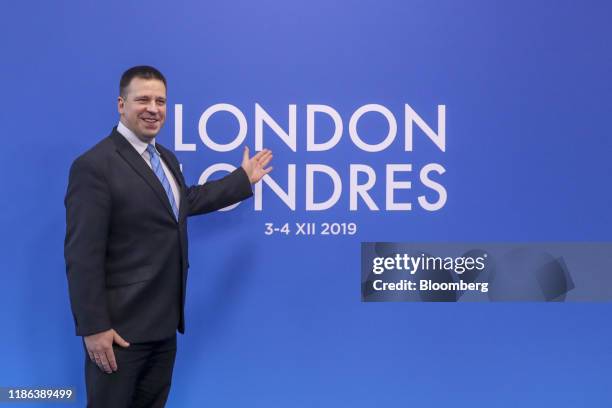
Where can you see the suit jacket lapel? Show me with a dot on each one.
(130, 155)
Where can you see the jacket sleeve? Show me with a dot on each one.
(216, 194)
(88, 206)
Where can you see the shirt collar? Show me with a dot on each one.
(138, 144)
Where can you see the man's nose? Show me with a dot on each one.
(152, 107)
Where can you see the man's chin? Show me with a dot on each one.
(147, 135)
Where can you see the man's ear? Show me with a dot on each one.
(120, 104)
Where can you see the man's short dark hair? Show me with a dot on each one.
(140, 71)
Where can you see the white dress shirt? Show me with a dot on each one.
(141, 148)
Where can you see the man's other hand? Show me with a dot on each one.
(100, 349)
(255, 167)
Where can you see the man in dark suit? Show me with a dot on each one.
(127, 205)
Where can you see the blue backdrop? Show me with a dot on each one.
(277, 320)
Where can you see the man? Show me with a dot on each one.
(126, 246)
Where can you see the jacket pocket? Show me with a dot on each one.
(132, 276)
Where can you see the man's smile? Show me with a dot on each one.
(150, 123)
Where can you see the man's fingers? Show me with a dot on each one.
(258, 155)
(269, 169)
(120, 341)
(110, 356)
(262, 155)
(100, 349)
(98, 361)
(245, 154)
(104, 365)
(263, 162)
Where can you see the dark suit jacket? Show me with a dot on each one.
(126, 255)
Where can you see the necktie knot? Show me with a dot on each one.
(151, 150)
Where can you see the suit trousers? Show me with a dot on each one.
(142, 380)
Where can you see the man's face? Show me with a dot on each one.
(143, 108)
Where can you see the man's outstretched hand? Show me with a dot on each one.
(255, 167)
(100, 349)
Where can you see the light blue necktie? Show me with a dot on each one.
(161, 175)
